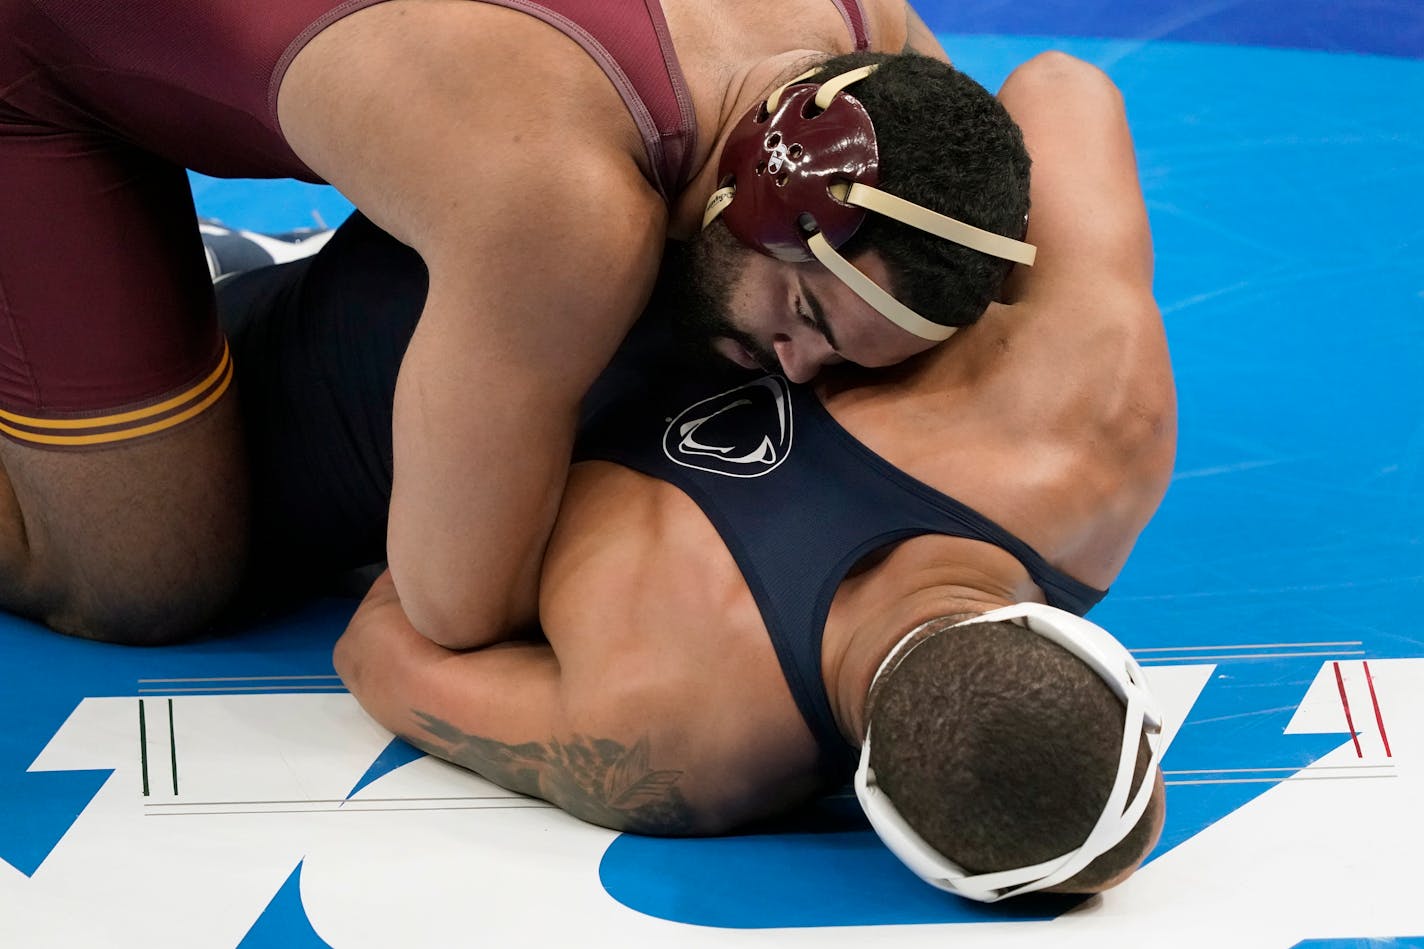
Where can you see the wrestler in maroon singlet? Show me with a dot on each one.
(107, 330)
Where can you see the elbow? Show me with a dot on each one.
(346, 660)
(432, 601)
(432, 609)
(343, 660)
(1057, 73)
(425, 597)
(430, 617)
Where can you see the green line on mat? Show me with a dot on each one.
(143, 746)
(173, 747)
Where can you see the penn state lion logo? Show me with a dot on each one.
(741, 433)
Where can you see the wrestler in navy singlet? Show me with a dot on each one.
(797, 500)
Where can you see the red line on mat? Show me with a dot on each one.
(1378, 719)
(1349, 719)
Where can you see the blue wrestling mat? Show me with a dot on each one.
(233, 794)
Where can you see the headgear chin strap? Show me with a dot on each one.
(800, 172)
(1110, 660)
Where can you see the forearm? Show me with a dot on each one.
(500, 713)
(402, 679)
(1086, 199)
(485, 413)
(375, 649)
(479, 471)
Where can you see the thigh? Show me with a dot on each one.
(120, 447)
(191, 80)
(107, 324)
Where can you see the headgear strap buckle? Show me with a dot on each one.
(802, 169)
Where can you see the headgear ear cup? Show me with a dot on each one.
(783, 165)
(799, 173)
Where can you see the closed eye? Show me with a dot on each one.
(812, 320)
(817, 315)
(805, 315)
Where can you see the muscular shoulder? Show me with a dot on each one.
(675, 668)
(1064, 426)
(539, 258)
(1094, 416)
(1092, 374)
(461, 112)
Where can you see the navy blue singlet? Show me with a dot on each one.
(798, 502)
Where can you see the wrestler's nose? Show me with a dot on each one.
(802, 353)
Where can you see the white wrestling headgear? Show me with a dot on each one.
(1110, 660)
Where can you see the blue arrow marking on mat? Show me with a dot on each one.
(284, 923)
(397, 754)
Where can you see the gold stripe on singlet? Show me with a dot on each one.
(123, 426)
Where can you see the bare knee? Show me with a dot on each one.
(156, 601)
(142, 544)
(149, 591)
(1056, 64)
(1063, 74)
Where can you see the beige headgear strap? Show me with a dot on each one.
(882, 202)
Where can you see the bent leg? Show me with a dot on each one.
(139, 544)
(123, 515)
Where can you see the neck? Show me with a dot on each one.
(872, 614)
(747, 86)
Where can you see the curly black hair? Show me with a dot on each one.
(947, 144)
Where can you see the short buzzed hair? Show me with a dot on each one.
(1000, 749)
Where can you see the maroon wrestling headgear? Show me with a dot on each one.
(802, 168)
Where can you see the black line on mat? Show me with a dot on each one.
(173, 747)
(535, 805)
(337, 800)
(143, 746)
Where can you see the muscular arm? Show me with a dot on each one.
(541, 237)
(1092, 352)
(517, 324)
(503, 713)
(1088, 214)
